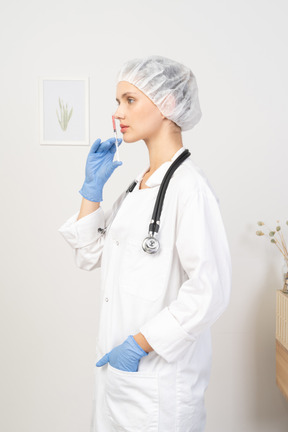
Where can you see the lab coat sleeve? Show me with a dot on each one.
(204, 254)
(83, 236)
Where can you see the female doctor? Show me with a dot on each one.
(153, 348)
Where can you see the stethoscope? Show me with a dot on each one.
(151, 244)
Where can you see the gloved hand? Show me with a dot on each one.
(125, 356)
(99, 167)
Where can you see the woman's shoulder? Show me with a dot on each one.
(189, 179)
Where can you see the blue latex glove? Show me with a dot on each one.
(99, 167)
(125, 356)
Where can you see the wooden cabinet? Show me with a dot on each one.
(282, 342)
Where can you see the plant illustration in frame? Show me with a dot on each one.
(64, 116)
(64, 111)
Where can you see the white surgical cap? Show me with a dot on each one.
(170, 85)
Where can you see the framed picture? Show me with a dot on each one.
(64, 111)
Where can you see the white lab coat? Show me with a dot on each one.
(172, 298)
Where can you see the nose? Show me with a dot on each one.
(118, 115)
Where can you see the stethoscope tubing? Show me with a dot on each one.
(155, 221)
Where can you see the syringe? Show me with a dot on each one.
(115, 134)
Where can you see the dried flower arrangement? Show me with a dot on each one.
(281, 245)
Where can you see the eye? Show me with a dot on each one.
(129, 99)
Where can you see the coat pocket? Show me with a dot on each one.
(144, 275)
(131, 400)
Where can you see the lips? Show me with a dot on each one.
(123, 128)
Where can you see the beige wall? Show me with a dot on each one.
(48, 306)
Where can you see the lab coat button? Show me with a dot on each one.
(106, 299)
(117, 242)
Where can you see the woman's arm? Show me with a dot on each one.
(87, 207)
(142, 341)
(82, 234)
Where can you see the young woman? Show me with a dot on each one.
(153, 346)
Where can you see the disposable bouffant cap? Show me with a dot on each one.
(170, 85)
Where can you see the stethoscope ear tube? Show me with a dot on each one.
(131, 187)
(155, 222)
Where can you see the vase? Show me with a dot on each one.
(285, 276)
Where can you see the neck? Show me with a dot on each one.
(163, 147)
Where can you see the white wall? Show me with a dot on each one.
(237, 51)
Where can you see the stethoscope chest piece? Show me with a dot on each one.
(150, 245)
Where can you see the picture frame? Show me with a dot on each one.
(64, 111)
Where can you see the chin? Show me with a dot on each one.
(130, 139)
